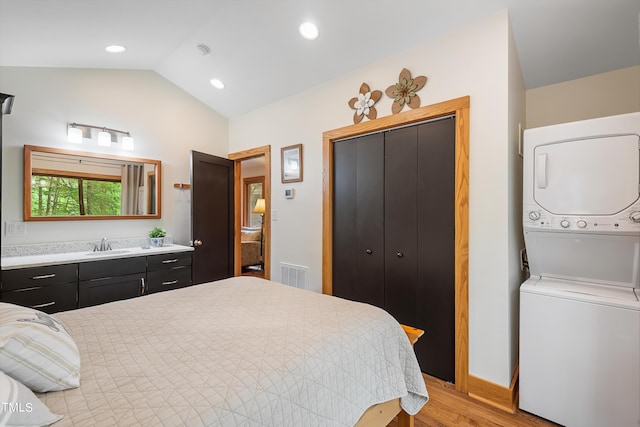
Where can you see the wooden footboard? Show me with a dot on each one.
(383, 413)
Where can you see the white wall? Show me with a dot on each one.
(516, 238)
(606, 94)
(165, 122)
(475, 61)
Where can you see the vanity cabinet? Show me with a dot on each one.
(168, 271)
(111, 280)
(83, 283)
(49, 288)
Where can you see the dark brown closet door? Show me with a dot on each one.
(436, 248)
(401, 251)
(358, 234)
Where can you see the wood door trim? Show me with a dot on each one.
(238, 157)
(459, 107)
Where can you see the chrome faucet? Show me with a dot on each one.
(104, 246)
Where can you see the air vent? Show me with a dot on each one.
(294, 275)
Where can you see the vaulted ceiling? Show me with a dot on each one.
(255, 48)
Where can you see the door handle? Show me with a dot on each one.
(399, 254)
(369, 251)
(197, 242)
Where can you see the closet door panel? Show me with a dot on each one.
(358, 239)
(401, 255)
(344, 219)
(370, 219)
(436, 249)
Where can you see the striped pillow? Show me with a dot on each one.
(20, 407)
(36, 349)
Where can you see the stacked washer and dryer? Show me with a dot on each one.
(580, 308)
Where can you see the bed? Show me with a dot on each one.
(237, 352)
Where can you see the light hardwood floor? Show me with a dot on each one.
(448, 407)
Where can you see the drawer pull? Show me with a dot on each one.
(169, 261)
(171, 282)
(143, 287)
(44, 276)
(33, 288)
(46, 304)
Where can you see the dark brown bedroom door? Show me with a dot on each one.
(212, 217)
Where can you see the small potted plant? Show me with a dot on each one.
(156, 236)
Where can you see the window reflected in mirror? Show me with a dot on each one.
(67, 185)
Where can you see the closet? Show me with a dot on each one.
(394, 231)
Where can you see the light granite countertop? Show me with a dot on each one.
(13, 262)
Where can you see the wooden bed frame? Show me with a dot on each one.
(382, 414)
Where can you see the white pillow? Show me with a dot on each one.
(36, 349)
(20, 407)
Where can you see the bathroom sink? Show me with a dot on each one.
(122, 251)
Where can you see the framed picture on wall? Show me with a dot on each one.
(291, 163)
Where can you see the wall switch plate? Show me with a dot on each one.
(15, 228)
(274, 215)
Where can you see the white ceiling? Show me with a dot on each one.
(257, 52)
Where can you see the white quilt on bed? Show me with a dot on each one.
(237, 352)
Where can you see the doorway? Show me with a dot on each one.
(252, 178)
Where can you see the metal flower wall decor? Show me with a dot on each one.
(404, 92)
(364, 103)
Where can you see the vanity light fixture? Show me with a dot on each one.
(76, 132)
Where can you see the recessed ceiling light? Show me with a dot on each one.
(308, 30)
(216, 83)
(115, 48)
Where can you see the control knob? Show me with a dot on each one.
(634, 216)
(564, 223)
(534, 215)
(582, 223)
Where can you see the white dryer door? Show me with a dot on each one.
(596, 176)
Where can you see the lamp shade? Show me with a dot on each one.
(259, 207)
(104, 138)
(74, 135)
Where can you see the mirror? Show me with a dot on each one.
(64, 185)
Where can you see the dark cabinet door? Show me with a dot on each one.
(107, 289)
(358, 230)
(111, 280)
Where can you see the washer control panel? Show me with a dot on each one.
(625, 221)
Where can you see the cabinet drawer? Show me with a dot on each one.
(50, 299)
(103, 290)
(165, 280)
(111, 267)
(38, 276)
(164, 261)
